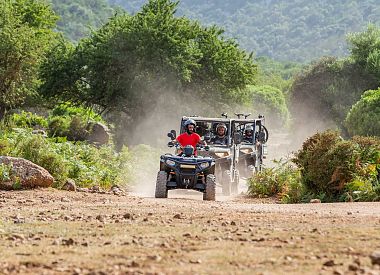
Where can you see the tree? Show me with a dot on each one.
(25, 35)
(270, 102)
(364, 116)
(133, 61)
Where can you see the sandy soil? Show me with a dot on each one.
(58, 232)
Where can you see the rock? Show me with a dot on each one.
(95, 189)
(40, 132)
(116, 190)
(353, 267)
(375, 257)
(65, 199)
(177, 216)
(99, 133)
(100, 218)
(68, 242)
(84, 190)
(329, 263)
(315, 201)
(127, 216)
(70, 185)
(29, 174)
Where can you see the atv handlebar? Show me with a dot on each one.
(198, 147)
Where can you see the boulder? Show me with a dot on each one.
(25, 174)
(99, 133)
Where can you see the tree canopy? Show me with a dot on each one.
(26, 32)
(364, 116)
(133, 60)
(328, 88)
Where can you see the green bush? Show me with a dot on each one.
(67, 109)
(59, 126)
(283, 181)
(364, 116)
(72, 122)
(27, 120)
(86, 164)
(330, 166)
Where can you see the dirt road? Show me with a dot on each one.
(57, 232)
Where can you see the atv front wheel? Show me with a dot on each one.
(210, 188)
(161, 190)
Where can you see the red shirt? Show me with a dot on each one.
(186, 139)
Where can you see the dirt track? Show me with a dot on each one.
(56, 232)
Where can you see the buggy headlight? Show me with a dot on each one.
(170, 162)
(204, 165)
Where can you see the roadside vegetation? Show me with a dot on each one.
(327, 168)
(153, 62)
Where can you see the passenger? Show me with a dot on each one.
(248, 134)
(221, 138)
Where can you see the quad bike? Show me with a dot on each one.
(186, 171)
(227, 176)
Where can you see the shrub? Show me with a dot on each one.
(27, 120)
(67, 109)
(364, 116)
(59, 126)
(283, 181)
(86, 164)
(330, 165)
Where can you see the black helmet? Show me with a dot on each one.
(188, 122)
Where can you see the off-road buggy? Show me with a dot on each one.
(250, 150)
(186, 171)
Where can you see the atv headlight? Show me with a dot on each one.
(204, 165)
(170, 162)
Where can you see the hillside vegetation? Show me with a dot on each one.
(298, 30)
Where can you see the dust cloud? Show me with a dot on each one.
(151, 132)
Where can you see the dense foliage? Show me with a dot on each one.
(79, 16)
(325, 91)
(271, 102)
(331, 169)
(84, 163)
(132, 60)
(296, 30)
(26, 33)
(364, 117)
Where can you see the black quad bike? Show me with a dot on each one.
(186, 171)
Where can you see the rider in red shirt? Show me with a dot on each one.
(190, 137)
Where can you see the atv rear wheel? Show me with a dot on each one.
(209, 195)
(226, 184)
(161, 190)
